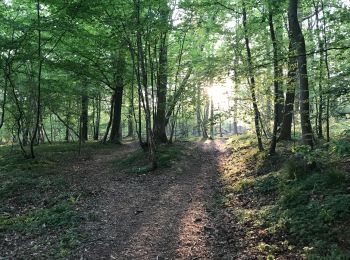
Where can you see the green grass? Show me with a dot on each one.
(138, 161)
(304, 207)
(36, 221)
(37, 202)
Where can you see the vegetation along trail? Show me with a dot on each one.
(174, 129)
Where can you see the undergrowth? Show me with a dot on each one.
(138, 161)
(301, 207)
(37, 203)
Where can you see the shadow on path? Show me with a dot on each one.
(169, 214)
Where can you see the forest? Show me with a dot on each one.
(174, 129)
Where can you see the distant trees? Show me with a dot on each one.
(86, 70)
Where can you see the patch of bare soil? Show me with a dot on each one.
(172, 213)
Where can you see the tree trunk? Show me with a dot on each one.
(286, 129)
(160, 119)
(205, 120)
(38, 111)
(298, 39)
(198, 110)
(3, 105)
(130, 120)
(104, 139)
(142, 79)
(276, 83)
(325, 45)
(212, 118)
(320, 80)
(98, 117)
(84, 116)
(118, 100)
(251, 81)
(236, 86)
(115, 136)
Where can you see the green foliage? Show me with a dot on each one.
(36, 200)
(137, 162)
(67, 242)
(309, 206)
(57, 216)
(238, 142)
(341, 147)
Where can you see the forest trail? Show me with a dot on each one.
(168, 214)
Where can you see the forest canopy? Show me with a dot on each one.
(158, 70)
(174, 129)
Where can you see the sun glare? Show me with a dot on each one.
(220, 93)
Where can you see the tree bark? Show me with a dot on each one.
(286, 129)
(328, 73)
(251, 81)
(160, 120)
(298, 39)
(38, 111)
(276, 83)
(130, 119)
(198, 109)
(212, 134)
(162, 82)
(320, 79)
(142, 79)
(98, 117)
(104, 139)
(3, 105)
(115, 136)
(84, 116)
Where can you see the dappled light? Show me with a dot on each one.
(174, 129)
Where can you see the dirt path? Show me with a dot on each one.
(169, 214)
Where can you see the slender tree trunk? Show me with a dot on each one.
(320, 80)
(198, 109)
(38, 112)
(45, 133)
(205, 120)
(98, 117)
(51, 129)
(144, 84)
(276, 82)
(80, 132)
(212, 134)
(235, 104)
(138, 118)
(104, 139)
(84, 116)
(3, 105)
(251, 81)
(328, 73)
(130, 119)
(67, 122)
(299, 40)
(66, 137)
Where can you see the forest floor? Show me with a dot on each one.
(171, 213)
(207, 200)
(105, 207)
